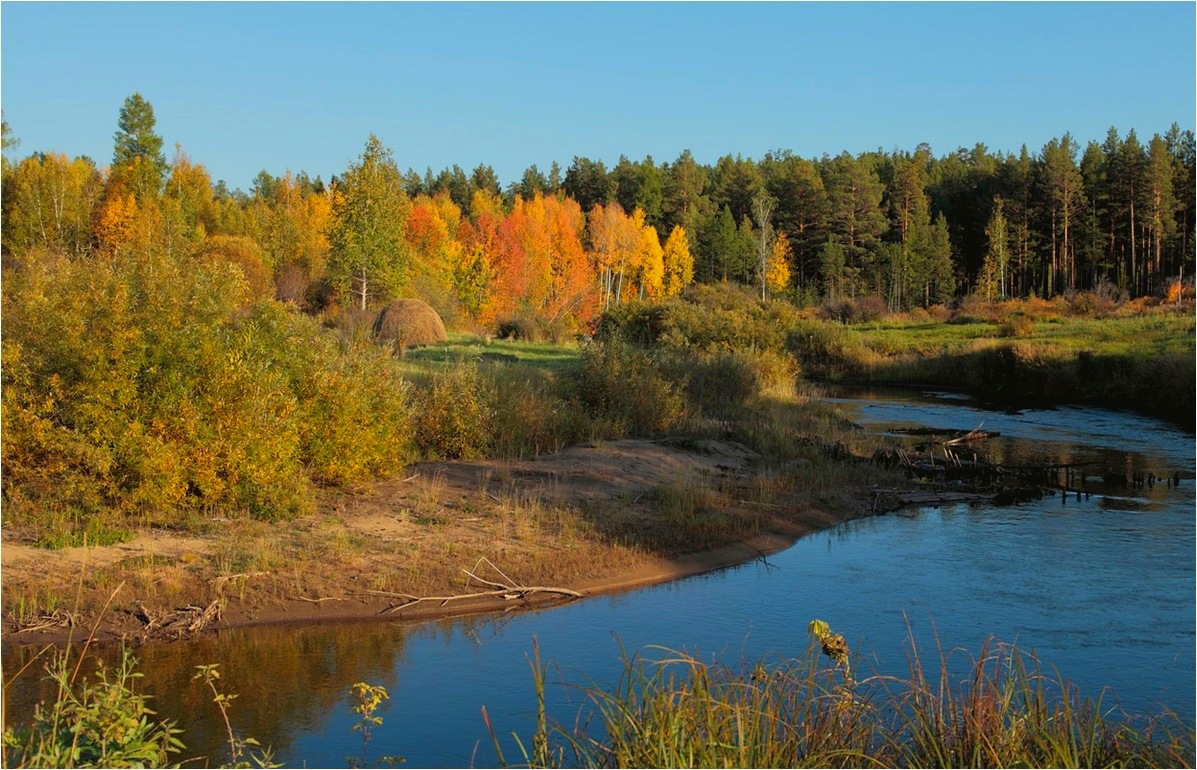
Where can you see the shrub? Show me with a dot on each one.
(827, 348)
(453, 415)
(705, 318)
(246, 255)
(521, 328)
(536, 329)
(721, 382)
(141, 390)
(1016, 326)
(859, 310)
(291, 284)
(869, 308)
(623, 389)
(528, 413)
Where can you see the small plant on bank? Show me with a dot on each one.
(101, 723)
(833, 645)
(238, 747)
(368, 698)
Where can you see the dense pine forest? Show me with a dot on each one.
(1114, 216)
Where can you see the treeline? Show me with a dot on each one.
(910, 228)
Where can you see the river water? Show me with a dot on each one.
(1101, 589)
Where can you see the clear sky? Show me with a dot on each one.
(300, 86)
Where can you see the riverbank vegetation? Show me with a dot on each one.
(997, 709)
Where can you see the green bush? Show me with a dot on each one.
(827, 349)
(104, 723)
(721, 382)
(453, 415)
(623, 389)
(529, 413)
(705, 318)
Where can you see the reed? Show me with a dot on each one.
(671, 709)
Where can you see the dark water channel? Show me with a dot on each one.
(1101, 589)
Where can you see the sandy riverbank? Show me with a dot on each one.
(591, 519)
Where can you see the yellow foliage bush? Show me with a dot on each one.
(142, 386)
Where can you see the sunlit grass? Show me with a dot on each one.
(671, 709)
(555, 357)
(1141, 335)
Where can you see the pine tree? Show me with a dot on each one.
(137, 159)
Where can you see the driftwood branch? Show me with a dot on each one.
(224, 578)
(509, 590)
(56, 619)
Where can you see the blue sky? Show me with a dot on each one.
(300, 86)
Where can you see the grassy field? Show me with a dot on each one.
(1141, 336)
(469, 348)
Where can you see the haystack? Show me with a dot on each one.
(409, 323)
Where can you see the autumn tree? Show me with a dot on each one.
(650, 261)
(48, 204)
(189, 210)
(777, 269)
(368, 255)
(615, 241)
(677, 262)
(431, 233)
(572, 278)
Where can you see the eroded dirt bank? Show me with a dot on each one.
(590, 519)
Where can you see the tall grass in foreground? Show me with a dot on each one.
(677, 711)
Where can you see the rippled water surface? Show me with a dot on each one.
(1102, 589)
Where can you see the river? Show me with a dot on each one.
(1101, 589)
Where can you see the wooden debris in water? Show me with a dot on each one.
(47, 621)
(508, 590)
(179, 623)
